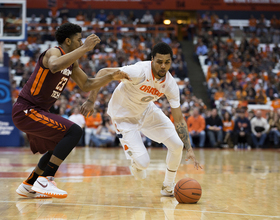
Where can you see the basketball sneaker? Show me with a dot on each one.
(138, 173)
(47, 186)
(25, 190)
(167, 190)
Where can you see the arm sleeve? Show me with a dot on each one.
(173, 95)
(135, 73)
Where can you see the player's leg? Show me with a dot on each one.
(46, 132)
(24, 188)
(173, 160)
(158, 127)
(135, 150)
(44, 183)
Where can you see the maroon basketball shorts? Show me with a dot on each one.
(44, 130)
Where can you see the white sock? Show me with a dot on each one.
(169, 177)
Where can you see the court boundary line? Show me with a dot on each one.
(134, 207)
(71, 177)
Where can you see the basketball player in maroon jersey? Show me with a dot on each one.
(51, 134)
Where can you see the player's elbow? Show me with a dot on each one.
(54, 67)
(89, 85)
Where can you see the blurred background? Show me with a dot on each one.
(226, 58)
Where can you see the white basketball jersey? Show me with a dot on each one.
(131, 98)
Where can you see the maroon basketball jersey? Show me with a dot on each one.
(44, 87)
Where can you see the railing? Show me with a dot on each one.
(108, 28)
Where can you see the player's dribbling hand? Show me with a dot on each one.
(118, 75)
(190, 155)
(87, 108)
(91, 42)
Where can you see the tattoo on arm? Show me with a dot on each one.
(182, 130)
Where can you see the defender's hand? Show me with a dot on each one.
(87, 108)
(118, 75)
(91, 42)
(190, 155)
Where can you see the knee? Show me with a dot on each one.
(202, 133)
(177, 148)
(142, 164)
(75, 131)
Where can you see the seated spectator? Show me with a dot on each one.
(110, 18)
(105, 133)
(187, 87)
(64, 20)
(64, 11)
(219, 94)
(259, 127)
(201, 49)
(158, 18)
(261, 98)
(43, 22)
(102, 16)
(214, 128)
(80, 16)
(252, 24)
(122, 17)
(271, 91)
(33, 23)
(228, 126)
(242, 130)
(131, 17)
(254, 41)
(274, 132)
(147, 18)
(251, 97)
(166, 39)
(62, 112)
(196, 126)
(92, 123)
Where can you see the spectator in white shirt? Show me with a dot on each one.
(147, 18)
(260, 127)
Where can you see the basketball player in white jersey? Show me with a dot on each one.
(132, 110)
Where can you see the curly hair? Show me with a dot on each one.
(162, 48)
(66, 30)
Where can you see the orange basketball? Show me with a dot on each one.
(187, 190)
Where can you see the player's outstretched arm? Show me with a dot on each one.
(87, 84)
(55, 62)
(87, 107)
(182, 130)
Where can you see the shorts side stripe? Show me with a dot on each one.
(34, 115)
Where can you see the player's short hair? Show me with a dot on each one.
(162, 48)
(66, 30)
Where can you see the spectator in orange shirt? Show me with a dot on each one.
(196, 126)
(254, 40)
(228, 125)
(92, 123)
(261, 97)
(252, 24)
(219, 94)
(80, 16)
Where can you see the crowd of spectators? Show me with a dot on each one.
(236, 72)
(113, 51)
(241, 71)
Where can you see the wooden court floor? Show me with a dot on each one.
(235, 185)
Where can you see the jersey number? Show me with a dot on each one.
(61, 84)
(147, 99)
